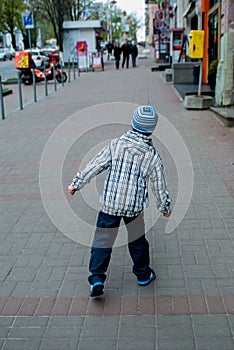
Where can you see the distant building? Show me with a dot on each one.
(74, 31)
(150, 9)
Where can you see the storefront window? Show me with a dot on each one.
(213, 36)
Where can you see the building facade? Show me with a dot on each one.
(150, 9)
(216, 18)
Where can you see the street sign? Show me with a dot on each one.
(27, 18)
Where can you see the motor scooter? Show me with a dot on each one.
(51, 71)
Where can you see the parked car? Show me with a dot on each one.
(52, 53)
(39, 59)
(5, 54)
(12, 50)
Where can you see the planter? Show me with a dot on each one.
(198, 102)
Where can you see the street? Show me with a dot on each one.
(46, 235)
(7, 70)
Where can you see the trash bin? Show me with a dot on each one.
(196, 73)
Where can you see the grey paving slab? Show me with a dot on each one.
(19, 344)
(59, 343)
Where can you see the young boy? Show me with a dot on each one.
(132, 162)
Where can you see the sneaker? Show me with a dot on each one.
(145, 283)
(97, 289)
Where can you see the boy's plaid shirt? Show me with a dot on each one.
(132, 162)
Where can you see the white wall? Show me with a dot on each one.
(71, 36)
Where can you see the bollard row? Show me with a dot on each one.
(19, 82)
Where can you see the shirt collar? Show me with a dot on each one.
(139, 137)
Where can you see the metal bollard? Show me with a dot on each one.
(62, 73)
(73, 68)
(54, 75)
(78, 66)
(20, 90)
(1, 99)
(34, 87)
(45, 81)
(69, 73)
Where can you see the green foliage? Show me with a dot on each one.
(11, 15)
(119, 20)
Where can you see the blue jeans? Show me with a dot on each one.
(104, 238)
(133, 61)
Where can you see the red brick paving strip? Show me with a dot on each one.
(3, 302)
(164, 306)
(129, 306)
(95, 307)
(61, 307)
(112, 306)
(215, 305)
(178, 305)
(146, 306)
(229, 302)
(198, 305)
(45, 306)
(12, 306)
(28, 307)
(78, 306)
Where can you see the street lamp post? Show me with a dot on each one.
(110, 3)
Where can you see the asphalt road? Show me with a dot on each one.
(7, 69)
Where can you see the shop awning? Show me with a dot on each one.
(189, 9)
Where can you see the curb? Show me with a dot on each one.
(10, 81)
(7, 92)
(227, 120)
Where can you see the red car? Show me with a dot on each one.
(53, 54)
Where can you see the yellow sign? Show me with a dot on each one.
(196, 43)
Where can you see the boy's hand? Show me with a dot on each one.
(71, 190)
(167, 214)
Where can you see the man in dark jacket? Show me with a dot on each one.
(134, 53)
(117, 54)
(109, 47)
(126, 50)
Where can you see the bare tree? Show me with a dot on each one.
(57, 11)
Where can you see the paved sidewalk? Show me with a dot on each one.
(44, 301)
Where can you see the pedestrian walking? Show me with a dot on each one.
(117, 54)
(109, 47)
(134, 53)
(126, 50)
(132, 162)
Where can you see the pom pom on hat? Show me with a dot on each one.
(144, 119)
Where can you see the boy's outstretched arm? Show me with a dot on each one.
(71, 190)
(159, 188)
(99, 163)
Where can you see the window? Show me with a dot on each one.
(213, 36)
(213, 2)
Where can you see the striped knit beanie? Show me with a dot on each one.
(144, 119)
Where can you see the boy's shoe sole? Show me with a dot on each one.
(145, 283)
(97, 289)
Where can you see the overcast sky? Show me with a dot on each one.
(132, 6)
